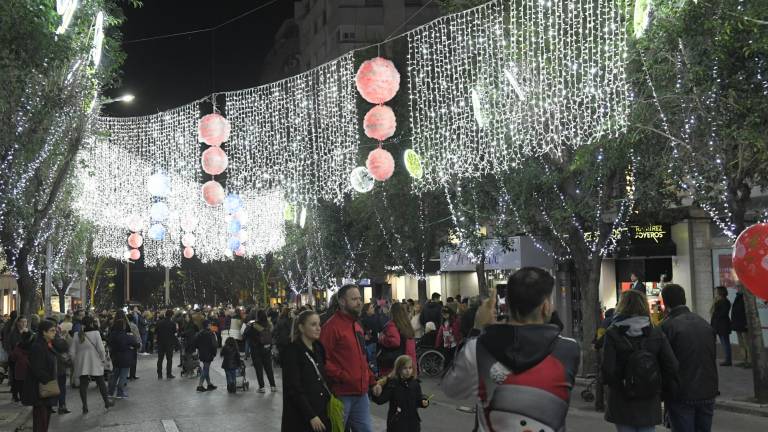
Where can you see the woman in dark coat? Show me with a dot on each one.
(206, 344)
(121, 349)
(721, 321)
(42, 369)
(739, 324)
(305, 395)
(630, 331)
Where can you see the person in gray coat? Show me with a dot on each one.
(89, 357)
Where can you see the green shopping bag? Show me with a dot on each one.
(336, 414)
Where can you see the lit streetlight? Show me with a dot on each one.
(125, 98)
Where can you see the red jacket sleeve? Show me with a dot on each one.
(390, 337)
(333, 367)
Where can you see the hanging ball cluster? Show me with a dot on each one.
(135, 240)
(214, 129)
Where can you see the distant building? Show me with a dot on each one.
(329, 28)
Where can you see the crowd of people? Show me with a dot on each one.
(336, 361)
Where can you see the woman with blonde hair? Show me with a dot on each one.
(402, 390)
(638, 363)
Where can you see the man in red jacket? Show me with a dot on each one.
(346, 364)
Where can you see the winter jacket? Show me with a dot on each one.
(432, 311)
(304, 395)
(206, 345)
(455, 330)
(721, 321)
(63, 360)
(121, 348)
(405, 399)
(89, 355)
(20, 358)
(372, 326)
(42, 369)
(739, 314)
(693, 341)
(516, 371)
(258, 335)
(283, 331)
(346, 360)
(616, 352)
(230, 358)
(166, 334)
(390, 337)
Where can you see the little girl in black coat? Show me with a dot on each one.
(403, 392)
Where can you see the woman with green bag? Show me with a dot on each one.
(307, 402)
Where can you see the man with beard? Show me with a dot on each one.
(346, 364)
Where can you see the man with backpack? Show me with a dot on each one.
(521, 370)
(637, 365)
(690, 403)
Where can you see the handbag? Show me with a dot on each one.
(335, 405)
(49, 389)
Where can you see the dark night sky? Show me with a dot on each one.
(165, 73)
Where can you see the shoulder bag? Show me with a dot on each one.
(51, 388)
(335, 405)
(106, 361)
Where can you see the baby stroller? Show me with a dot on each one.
(190, 365)
(241, 382)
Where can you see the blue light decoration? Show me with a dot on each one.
(157, 232)
(234, 226)
(232, 203)
(159, 185)
(233, 244)
(159, 212)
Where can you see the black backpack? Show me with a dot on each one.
(386, 356)
(642, 377)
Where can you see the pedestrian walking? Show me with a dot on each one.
(259, 334)
(166, 343)
(230, 362)
(432, 311)
(690, 402)
(347, 368)
(206, 344)
(11, 339)
(525, 369)
(20, 358)
(402, 391)
(40, 386)
(721, 322)
(60, 347)
(449, 334)
(637, 362)
(89, 358)
(121, 348)
(305, 393)
(739, 324)
(283, 331)
(395, 340)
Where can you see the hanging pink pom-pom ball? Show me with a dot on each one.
(213, 129)
(213, 193)
(240, 251)
(135, 240)
(380, 164)
(135, 254)
(377, 80)
(380, 122)
(214, 161)
(189, 252)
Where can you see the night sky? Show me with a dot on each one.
(169, 72)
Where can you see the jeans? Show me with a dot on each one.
(262, 362)
(231, 375)
(370, 353)
(118, 380)
(62, 390)
(357, 413)
(167, 353)
(625, 428)
(206, 374)
(144, 342)
(725, 341)
(691, 416)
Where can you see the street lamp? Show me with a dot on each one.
(124, 98)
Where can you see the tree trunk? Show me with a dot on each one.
(62, 292)
(588, 274)
(27, 288)
(482, 282)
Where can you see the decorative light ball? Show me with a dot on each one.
(189, 252)
(232, 203)
(213, 193)
(413, 165)
(127, 255)
(233, 244)
(159, 185)
(361, 180)
(214, 129)
(135, 223)
(228, 218)
(134, 254)
(240, 251)
(159, 212)
(750, 259)
(242, 216)
(377, 80)
(214, 161)
(189, 223)
(188, 240)
(234, 226)
(244, 236)
(135, 240)
(157, 232)
(380, 123)
(380, 164)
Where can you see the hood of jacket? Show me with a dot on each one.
(633, 326)
(520, 348)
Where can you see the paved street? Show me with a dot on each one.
(168, 406)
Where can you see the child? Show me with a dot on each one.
(231, 362)
(449, 335)
(403, 392)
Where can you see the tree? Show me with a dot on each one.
(70, 241)
(706, 65)
(45, 105)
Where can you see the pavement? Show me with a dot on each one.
(175, 406)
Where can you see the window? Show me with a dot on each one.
(346, 33)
